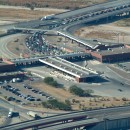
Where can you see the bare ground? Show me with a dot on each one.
(48, 3)
(2, 118)
(25, 14)
(108, 32)
(59, 93)
(18, 47)
(80, 102)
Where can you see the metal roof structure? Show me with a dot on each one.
(68, 67)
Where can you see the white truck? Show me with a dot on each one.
(32, 114)
(10, 114)
(48, 17)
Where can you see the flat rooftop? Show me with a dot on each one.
(68, 67)
(112, 51)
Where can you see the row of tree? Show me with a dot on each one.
(80, 92)
(73, 89)
(55, 104)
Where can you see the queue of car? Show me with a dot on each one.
(38, 44)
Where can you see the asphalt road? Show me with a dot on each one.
(111, 87)
(53, 119)
(92, 8)
(71, 125)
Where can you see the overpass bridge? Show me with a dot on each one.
(32, 30)
(25, 61)
(91, 9)
(78, 116)
(78, 16)
(73, 125)
(35, 60)
(108, 123)
(90, 44)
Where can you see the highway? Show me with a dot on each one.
(92, 8)
(71, 125)
(63, 30)
(64, 117)
(99, 16)
(70, 15)
(90, 43)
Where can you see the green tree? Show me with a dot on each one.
(88, 92)
(48, 80)
(51, 81)
(17, 48)
(32, 7)
(54, 83)
(76, 90)
(68, 102)
(58, 105)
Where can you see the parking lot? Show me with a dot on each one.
(23, 93)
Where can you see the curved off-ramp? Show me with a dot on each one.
(4, 51)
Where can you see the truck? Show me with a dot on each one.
(10, 114)
(32, 114)
(48, 17)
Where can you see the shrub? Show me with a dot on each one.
(76, 90)
(55, 104)
(51, 81)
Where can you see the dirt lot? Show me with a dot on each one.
(17, 46)
(59, 93)
(79, 103)
(2, 118)
(93, 32)
(25, 14)
(108, 32)
(48, 3)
